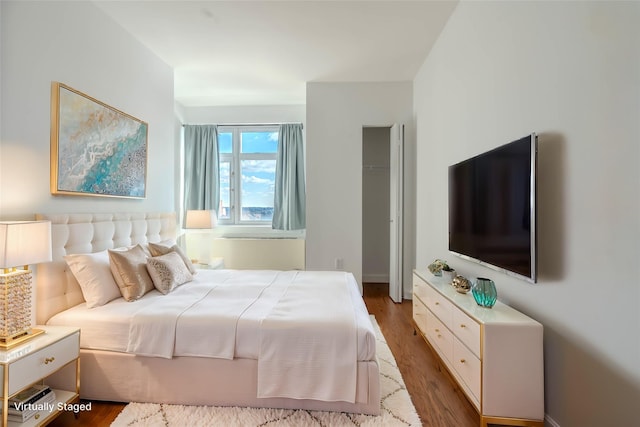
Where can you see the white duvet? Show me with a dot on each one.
(303, 327)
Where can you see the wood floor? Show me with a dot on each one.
(438, 400)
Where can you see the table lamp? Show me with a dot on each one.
(201, 219)
(21, 243)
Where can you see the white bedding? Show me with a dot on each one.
(108, 327)
(308, 344)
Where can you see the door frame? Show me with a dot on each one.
(396, 212)
(396, 178)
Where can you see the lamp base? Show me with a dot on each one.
(19, 338)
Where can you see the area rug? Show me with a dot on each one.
(396, 408)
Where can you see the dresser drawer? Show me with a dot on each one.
(420, 288)
(467, 330)
(42, 363)
(440, 306)
(468, 367)
(439, 336)
(420, 315)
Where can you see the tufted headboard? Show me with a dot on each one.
(86, 233)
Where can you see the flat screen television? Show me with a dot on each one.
(492, 208)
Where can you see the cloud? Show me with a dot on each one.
(251, 179)
(256, 166)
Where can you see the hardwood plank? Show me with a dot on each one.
(437, 398)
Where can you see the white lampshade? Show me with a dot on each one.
(21, 243)
(201, 219)
(24, 242)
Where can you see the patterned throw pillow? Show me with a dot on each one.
(164, 248)
(168, 272)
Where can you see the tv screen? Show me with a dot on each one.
(492, 208)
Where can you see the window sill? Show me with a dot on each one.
(255, 232)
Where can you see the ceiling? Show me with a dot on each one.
(264, 52)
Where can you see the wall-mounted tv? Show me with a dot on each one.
(492, 208)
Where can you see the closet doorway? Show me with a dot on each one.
(382, 207)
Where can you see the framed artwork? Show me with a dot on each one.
(96, 150)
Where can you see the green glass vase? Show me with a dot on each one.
(484, 292)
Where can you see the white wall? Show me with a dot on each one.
(571, 72)
(244, 114)
(336, 113)
(77, 44)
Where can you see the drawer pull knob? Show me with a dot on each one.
(437, 330)
(462, 361)
(49, 360)
(439, 336)
(462, 325)
(437, 303)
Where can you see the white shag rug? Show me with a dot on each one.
(396, 408)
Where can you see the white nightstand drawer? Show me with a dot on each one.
(439, 336)
(467, 330)
(467, 365)
(29, 370)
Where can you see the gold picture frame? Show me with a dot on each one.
(96, 150)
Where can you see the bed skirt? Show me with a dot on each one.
(124, 377)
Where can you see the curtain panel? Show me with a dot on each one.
(289, 207)
(201, 168)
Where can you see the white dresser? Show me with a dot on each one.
(495, 354)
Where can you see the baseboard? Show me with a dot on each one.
(375, 278)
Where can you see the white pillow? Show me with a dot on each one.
(94, 276)
(168, 272)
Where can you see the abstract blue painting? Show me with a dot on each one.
(96, 150)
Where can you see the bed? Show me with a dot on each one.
(266, 353)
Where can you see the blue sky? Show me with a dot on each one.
(257, 175)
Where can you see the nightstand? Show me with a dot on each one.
(214, 264)
(33, 361)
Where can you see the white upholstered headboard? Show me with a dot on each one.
(86, 233)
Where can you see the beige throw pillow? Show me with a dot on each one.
(168, 272)
(163, 248)
(129, 269)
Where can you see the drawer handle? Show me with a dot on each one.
(437, 303)
(462, 361)
(48, 360)
(437, 330)
(462, 325)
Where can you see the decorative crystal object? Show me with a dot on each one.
(484, 292)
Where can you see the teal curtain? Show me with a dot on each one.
(201, 168)
(289, 207)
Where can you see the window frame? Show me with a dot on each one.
(235, 159)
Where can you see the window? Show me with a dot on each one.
(247, 156)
